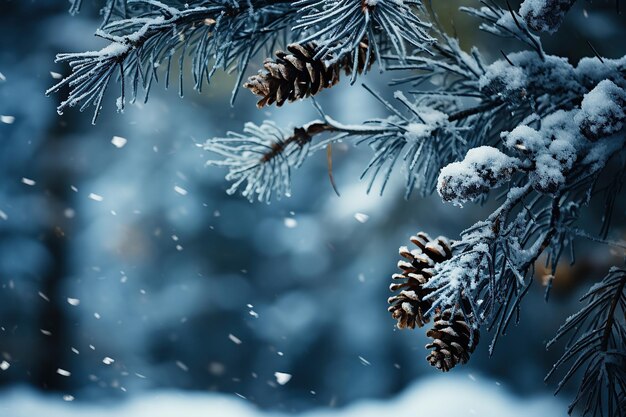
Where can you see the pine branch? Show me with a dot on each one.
(338, 26)
(505, 23)
(230, 33)
(424, 138)
(552, 172)
(598, 351)
(427, 139)
(218, 31)
(548, 135)
(261, 159)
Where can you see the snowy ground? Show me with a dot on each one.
(454, 396)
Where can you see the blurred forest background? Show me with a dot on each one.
(131, 269)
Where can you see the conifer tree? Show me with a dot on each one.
(542, 136)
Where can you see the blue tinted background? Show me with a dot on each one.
(166, 280)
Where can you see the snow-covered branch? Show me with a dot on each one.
(216, 34)
(547, 134)
(598, 337)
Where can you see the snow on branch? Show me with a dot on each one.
(552, 171)
(421, 138)
(216, 34)
(482, 169)
(226, 34)
(545, 15)
(261, 159)
(547, 134)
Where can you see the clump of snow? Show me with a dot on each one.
(482, 169)
(417, 131)
(602, 110)
(431, 120)
(525, 138)
(545, 15)
(552, 150)
(590, 71)
(503, 79)
(432, 116)
(530, 75)
(547, 175)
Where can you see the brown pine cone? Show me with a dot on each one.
(298, 74)
(409, 306)
(454, 340)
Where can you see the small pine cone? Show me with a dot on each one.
(454, 339)
(297, 74)
(408, 307)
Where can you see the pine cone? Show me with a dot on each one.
(454, 340)
(298, 74)
(409, 306)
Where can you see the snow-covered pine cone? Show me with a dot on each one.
(454, 339)
(298, 74)
(408, 307)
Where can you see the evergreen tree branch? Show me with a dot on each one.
(218, 34)
(598, 351)
(229, 33)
